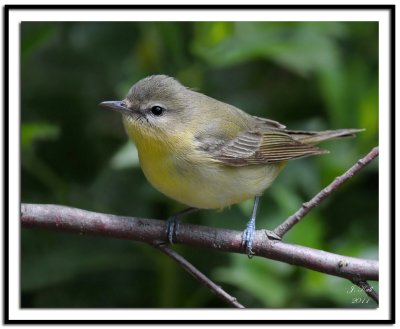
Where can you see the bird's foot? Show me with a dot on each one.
(172, 227)
(247, 237)
(174, 221)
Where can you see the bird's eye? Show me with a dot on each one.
(157, 110)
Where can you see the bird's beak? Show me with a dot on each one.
(118, 106)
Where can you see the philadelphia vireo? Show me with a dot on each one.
(205, 153)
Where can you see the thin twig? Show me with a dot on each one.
(283, 228)
(149, 230)
(202, 278)
(368, 289)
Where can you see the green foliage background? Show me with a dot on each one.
(307, 75)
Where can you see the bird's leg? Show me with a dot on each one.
(248, 234)
(174, 220)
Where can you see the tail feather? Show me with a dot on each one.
(315, 137)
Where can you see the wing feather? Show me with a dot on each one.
(262, 148)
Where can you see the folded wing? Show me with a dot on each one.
(254, 147)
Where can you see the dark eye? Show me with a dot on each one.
(157, 110)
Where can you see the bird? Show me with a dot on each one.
(207, 154)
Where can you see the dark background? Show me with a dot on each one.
(307, 75)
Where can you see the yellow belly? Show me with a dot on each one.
(196, 181)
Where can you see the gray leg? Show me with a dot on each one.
(173, 222)
(248, 234)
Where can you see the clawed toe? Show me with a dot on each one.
(247, 238)
(174, 221)
(172, 227)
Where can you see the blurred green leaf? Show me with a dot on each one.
(31, 132)
(263, 279)
(36, 35)
(300, 47)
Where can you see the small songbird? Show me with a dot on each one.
(205, 153)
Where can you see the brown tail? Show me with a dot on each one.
(315, 137)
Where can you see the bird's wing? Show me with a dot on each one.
(263, 123)
(262, 147)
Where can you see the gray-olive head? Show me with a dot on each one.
(157, 101)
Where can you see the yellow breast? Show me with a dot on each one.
(190, 177)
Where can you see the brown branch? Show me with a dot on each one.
(203, 279)
(150, 230)
(283, 228)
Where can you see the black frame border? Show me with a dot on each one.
(392, 30)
